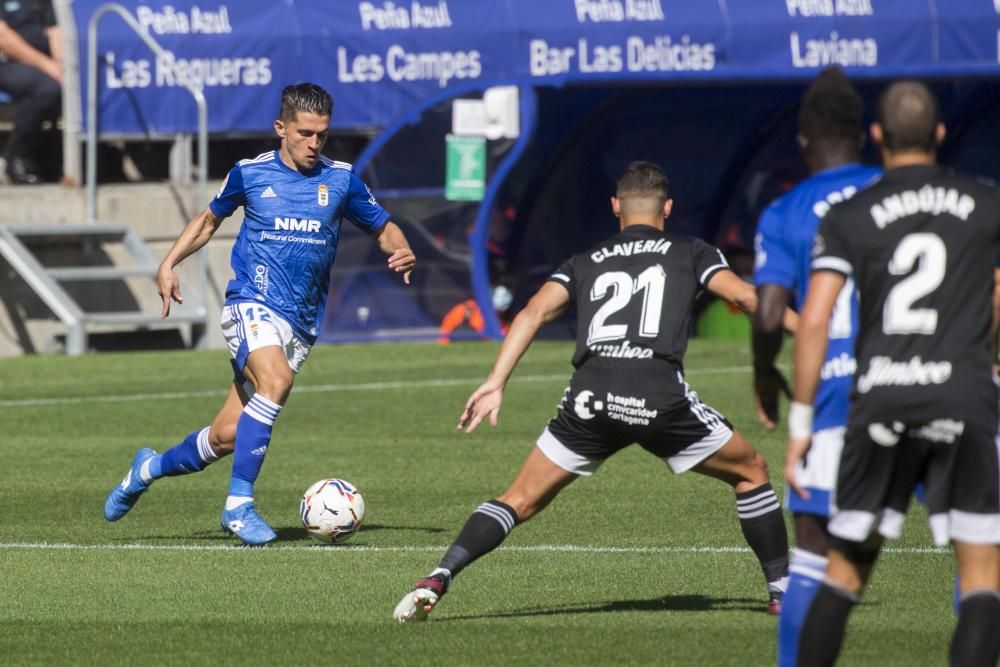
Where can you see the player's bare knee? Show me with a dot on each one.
(758, 467)
(222, 441)
(523, 507)
(276, 386)
(749, 473)
(222, 432)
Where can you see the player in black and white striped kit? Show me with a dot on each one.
(633, 294)
(921, 245)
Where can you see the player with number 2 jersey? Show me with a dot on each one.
(921, 245)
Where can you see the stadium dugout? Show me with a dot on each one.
(708, 91)
(543, 102)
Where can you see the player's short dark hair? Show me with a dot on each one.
(643, 179)
(831, 108)
(908, 113)
(304, 97)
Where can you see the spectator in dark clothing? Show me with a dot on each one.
(31, 74)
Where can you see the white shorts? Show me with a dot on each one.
(818, 473)
(249, 326)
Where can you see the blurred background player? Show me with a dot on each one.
(31, 73)
(628, 385)
(293, 201)
(831, 134)
(921, 246)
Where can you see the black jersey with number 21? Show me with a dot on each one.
(922, 245)
(634, 294)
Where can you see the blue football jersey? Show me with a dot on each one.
(285, 249)
(784, 244)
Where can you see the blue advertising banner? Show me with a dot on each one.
(380, 58)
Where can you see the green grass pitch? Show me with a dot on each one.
(634, 566)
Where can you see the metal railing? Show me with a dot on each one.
(71, 113)
(47, 282)
(92, 121)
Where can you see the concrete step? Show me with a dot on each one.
(138, 319)
(88, 273)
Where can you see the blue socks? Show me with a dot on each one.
(807, 573)
(191, 455)
(253, 434)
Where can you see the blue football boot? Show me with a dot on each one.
(123, 497)
(246, 524)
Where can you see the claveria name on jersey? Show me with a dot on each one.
(631, 248)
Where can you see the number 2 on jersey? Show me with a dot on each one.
(899, 316)
(650, 282)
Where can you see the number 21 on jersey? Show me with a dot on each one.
(650, 282)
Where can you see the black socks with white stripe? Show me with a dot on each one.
(764, 529)
(976, 641)
(824, 627)
(485, 530)
(759, 512)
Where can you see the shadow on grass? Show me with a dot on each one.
(298, 534)
(285, 533)
(419, 529)
(666, 603)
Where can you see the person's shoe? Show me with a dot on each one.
(774, 604)
(122, 498)
(21, 172)
(418, 603)
(246, 524)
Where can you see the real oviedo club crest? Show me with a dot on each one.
(323, 195)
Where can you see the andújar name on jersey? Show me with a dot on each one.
(884, 372)
(928, 199)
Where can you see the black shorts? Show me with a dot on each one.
(958, 464)
(611, 404)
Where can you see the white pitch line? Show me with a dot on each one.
(540, 548)
(319, 388)
(306, 389)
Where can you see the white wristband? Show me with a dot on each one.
(800, 420)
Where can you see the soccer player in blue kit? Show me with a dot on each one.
(294, 199)
(831, 134)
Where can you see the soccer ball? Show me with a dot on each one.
(332, 510)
